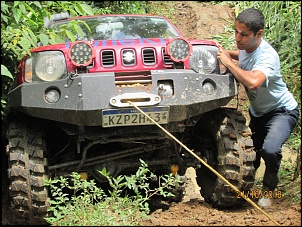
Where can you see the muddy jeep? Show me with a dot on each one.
(74, 108)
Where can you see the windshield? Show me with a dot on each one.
(118, 27)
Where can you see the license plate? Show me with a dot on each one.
(132, 116)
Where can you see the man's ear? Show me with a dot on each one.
(259, 33)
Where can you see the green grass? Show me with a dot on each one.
(166, 8)
(289, 185)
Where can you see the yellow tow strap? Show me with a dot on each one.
(204, 163)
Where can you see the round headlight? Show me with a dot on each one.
(179, 49)
(81, 53)
(202, 61)
(50, 65)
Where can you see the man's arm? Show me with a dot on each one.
(234, 54)
(249, 79)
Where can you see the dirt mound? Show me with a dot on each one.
(201, 20)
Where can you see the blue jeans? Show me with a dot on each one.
(270, 132)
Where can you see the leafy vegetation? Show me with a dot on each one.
(90, 205)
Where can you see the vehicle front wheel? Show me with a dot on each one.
(229, 150)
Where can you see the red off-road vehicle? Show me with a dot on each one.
(71, 109)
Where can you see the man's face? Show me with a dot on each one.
(245, 38)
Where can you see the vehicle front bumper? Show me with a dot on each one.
(84, 97)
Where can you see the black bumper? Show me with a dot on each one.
(85, 96)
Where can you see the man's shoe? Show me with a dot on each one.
(265, 202)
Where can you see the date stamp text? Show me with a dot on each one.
(258, 194)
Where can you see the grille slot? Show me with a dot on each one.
(167, 60)
(107, 57)
(149, 56)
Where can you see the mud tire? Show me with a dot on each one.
(231, 155)
(27, 168)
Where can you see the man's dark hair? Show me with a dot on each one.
(252, 18)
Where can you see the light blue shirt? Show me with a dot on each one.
(273, 93)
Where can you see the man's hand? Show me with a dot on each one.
(217, 44)
(224, 57)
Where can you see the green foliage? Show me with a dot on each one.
(128, 7)
(90, 205)
(227, 38)
(6, 72)
(291, 187)
(286, 169)
(167, 9)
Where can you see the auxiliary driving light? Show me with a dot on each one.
(179, 49)
(81, 53)
(165, 88)
(209, 86)
(52, 95)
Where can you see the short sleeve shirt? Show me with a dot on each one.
(273, 93)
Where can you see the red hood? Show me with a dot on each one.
(100, 44)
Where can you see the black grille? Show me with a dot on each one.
(149, 56)
(107, 58)
(167, 60)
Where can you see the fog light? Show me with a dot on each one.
(209, 87)
(165, 88)
(52, 95)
